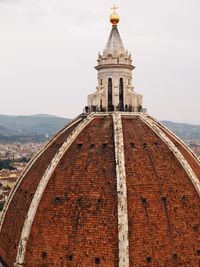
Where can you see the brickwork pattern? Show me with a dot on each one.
(15, 216)
(163, 205)
(76, 223)
(189, 157)
(78, 210)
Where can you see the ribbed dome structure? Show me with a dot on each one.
(110, 189)
(114, 188)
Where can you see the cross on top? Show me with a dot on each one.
(114, 8)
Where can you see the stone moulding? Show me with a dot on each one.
(121, 192)
(108, 66)
(41, 187)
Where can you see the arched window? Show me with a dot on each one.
(110, 103)
(121, 94)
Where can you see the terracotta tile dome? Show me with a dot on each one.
(114, 188)
(65, 209)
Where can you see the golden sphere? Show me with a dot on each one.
(114, 19)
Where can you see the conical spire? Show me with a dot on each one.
(114, 44)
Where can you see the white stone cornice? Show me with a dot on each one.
(115, 66)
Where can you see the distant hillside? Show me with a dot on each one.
(41, 127)
(183, 130)
(29, 128)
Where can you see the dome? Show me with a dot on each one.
(110, 189)
(113, 188)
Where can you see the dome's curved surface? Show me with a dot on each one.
(111, 189)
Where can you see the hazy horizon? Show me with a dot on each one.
(48, 50)
(62, 117)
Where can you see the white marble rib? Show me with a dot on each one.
(181, 142)
(14, 189)
(41, 187)
(121, 192)
(195, 181)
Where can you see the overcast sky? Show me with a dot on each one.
(48, 49)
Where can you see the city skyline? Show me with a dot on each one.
(48, 50)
